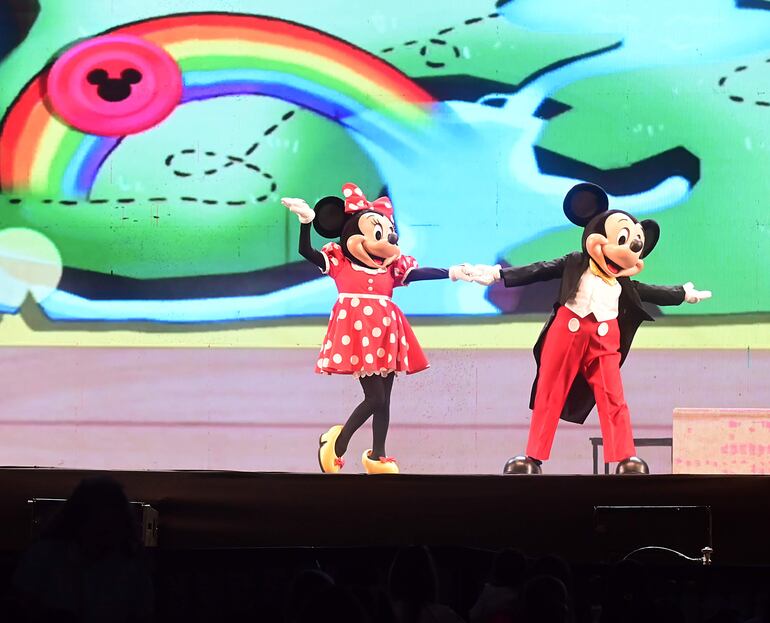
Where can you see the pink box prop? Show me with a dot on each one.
(721, 441)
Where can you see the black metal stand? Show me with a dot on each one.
(642, 442)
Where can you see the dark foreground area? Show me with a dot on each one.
(296, 547)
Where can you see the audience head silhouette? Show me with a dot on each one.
(98, 518)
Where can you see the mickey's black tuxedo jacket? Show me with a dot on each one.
(631, 314)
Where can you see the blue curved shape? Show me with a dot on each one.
(336, 106)
(82, 169)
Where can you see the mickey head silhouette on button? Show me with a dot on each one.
(114, 89)
(114, 85)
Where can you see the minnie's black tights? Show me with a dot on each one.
(376, 402)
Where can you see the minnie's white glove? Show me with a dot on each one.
(486, 275)
(304, 212)
(691, 295)
(461, 272)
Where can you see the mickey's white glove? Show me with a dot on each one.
(691, 295)
(461, 272)
(304, 212)
(486, 275)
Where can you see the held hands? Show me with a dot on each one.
(691, 295)
(304, 212)
(479, 273)
(461, 272)
(486, 275)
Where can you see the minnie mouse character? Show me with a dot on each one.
(588, 336)
(368, 335)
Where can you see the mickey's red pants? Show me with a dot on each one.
(573, 345)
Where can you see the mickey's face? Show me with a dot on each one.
(618, 252)
(373, 242)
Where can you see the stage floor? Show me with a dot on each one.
(537, 514)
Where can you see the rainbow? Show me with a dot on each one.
(219, 54)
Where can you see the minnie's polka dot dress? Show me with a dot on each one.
(368, 334)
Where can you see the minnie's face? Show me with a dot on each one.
(618, 252)
(374, 243)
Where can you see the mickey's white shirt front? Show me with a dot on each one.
(595, 296)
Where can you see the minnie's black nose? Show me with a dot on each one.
(392, 238)
(636, 245)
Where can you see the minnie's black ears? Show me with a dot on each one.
(583, 202)
(651, 236)
(329, 217)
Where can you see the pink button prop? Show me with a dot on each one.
(114, 85)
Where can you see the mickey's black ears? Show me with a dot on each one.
(132, 76)
(583, 202)
(97, 76)
(651, 236)
(329, 217)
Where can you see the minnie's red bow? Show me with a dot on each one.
(355, 201)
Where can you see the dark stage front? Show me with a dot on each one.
(537, 514)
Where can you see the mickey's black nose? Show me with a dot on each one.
(636, 245)
(392, 238)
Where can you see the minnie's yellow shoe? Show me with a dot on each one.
(328, 460)
(383, 465)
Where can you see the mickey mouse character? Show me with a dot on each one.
(368, 335)
(588, 336)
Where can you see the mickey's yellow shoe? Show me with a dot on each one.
(383, 465)
(328, 460)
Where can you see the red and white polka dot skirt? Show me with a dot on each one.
(368, 334)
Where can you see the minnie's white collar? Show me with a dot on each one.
(371, 271)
